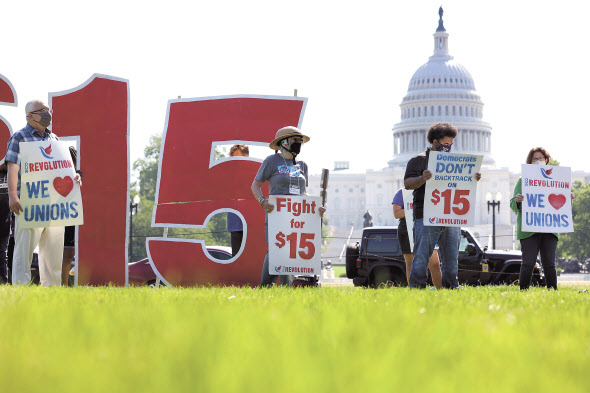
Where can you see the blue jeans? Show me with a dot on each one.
(267, 279)
(425, 238)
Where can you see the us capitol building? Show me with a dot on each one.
(441, 90)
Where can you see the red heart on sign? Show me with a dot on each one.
(557, 201)
(63, 185)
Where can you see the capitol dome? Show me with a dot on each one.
(441, 72)
(442, 90)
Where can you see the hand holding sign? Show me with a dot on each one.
(427, 175)
(14, 205)
(268, 207)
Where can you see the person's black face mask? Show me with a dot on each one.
(443, 148)
(296, 147)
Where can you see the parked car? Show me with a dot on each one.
(377, 260)
(141, 272)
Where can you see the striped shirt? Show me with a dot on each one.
(27, 134)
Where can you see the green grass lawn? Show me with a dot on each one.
(490, 339)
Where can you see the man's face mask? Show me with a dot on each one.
(45, 120)
(444, 148)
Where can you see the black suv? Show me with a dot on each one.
(377, 260)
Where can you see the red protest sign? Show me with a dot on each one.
(294, 233)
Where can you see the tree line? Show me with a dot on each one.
(146, 169)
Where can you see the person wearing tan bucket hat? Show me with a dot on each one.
(285, 176)
(288, 132)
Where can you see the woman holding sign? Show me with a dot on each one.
(285, 176)
(531, 243)
(404, 243)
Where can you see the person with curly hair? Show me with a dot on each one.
(440, 136)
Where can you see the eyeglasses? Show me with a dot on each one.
(42, 110)
(539, 159)
(296, 139)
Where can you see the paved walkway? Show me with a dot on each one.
(563, 278)
(571, 278)
(336, 282)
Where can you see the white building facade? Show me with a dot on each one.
(441, 90)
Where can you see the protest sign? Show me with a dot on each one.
(49, 195)
(547, 205)
(409, 211)
(294, 235)
(449, 198)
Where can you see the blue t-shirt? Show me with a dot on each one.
(398, 199)
(282, 174)
(234, 223)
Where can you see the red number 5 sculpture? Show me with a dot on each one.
(192, 187)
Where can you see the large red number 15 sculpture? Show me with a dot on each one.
(192, 187)
(7, 97)
(97, 114)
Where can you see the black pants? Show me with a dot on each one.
(5, 221)
(236, 241)
(546, 244)
(4, 259)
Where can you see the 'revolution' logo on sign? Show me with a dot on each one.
(46, 151)
(546, 173)
(447, 221)
(278, 269)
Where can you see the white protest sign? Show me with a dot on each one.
(449, 199)
(547, 205)
(49, 195)
(294, 235)
(408, 196)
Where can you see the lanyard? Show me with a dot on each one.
(289, 174)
